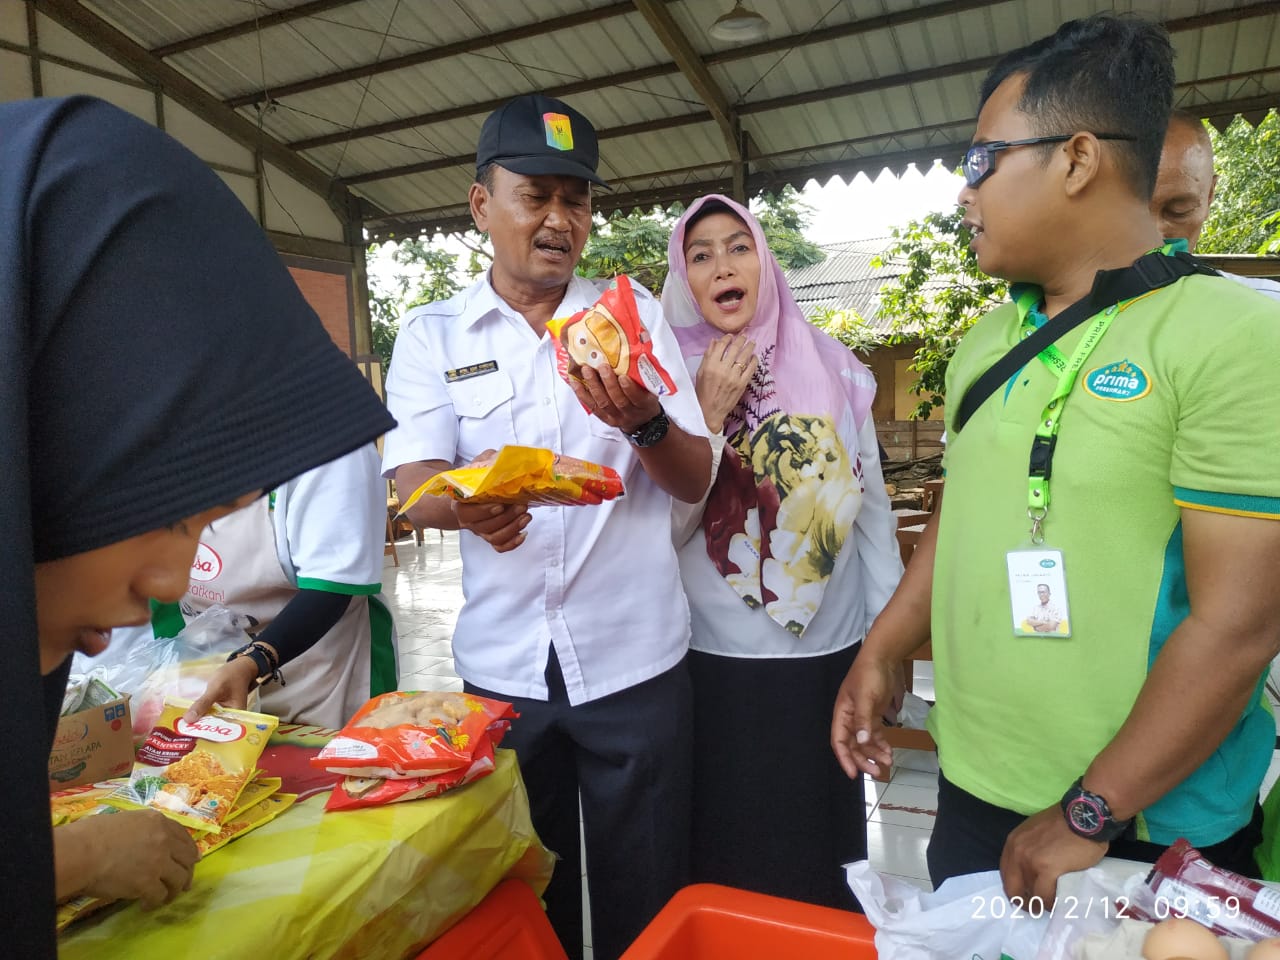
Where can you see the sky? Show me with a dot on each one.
(867, 208)
(840, 211)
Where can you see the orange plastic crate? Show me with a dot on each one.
(508, 924)
(709, 921)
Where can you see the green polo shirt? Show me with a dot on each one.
(1172, 410)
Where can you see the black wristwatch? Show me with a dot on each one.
(1089, 816)
(651, 431)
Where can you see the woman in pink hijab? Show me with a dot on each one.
(785, 565)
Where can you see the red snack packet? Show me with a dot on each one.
(352, 793)
(1184, 884)
(413, 734)
(610, 334)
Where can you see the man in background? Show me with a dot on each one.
(1185, 188)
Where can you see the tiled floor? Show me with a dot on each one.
(425, 592)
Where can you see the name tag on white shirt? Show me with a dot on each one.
(471, 370)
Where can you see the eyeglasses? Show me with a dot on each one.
(980, 159)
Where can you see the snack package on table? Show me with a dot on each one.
(414, 734)
(352, 793)
(70, 805)
(609, 334)
(247, 817)
(260, 803)
(195, 772)
(526, 475)
(1184, 884)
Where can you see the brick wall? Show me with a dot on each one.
(330, 296)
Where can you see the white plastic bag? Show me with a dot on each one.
(967, 917)
(150, 668)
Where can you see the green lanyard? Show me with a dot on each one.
(1051, 419)
(1028, 299)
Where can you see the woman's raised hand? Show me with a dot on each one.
(727, 367)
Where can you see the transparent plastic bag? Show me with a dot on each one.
(149, 668)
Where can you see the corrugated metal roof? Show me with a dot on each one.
(387, 96)
(849, 280)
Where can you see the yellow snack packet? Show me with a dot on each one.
(195, 772)
(256, 790)
(70, 805)
(243, 820)
(525, 475)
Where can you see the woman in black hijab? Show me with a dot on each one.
(158, 367)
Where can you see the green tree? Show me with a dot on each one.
(635, 243)
(938, 296)
(1245, 217)
(848, 327)
(426, 272)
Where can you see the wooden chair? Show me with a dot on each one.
(389, 548)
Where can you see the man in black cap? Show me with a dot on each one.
(576, 615)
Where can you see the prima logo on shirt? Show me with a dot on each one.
(1121, 382)
(207, 564)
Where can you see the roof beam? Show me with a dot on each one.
(777, 103)
(432, 54)
(272, 19)
(825, 34)
(796, 176)
(672, 37)
(685, 119)
(425, 166)
(97, 32)
(822, 35)
(472, 109)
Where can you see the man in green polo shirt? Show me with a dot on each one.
(1140, 720)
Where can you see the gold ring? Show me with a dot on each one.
(739, 364)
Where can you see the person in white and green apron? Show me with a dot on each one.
(304, 565)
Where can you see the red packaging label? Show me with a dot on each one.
(610, 334)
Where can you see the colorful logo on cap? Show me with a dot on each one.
(559, 131)
(1121, 382)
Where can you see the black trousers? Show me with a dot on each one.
(969, 835)
(772, 810)
(628, 757)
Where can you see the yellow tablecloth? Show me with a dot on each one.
(372, 883)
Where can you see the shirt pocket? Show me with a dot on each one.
(602, 431)
(484, 406)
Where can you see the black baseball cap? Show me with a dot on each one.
(536, 135)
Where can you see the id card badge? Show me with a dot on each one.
(1038, 593)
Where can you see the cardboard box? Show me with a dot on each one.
(91, 745)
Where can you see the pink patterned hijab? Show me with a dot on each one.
(787, 491)
(800, 349)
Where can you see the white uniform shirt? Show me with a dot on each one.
(1264, 285)
(600, 583)
(864, 576)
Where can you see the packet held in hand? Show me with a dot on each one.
(412, 734)
(1184, 884)
(532, 476)
(351, 793)
(195, 772)
(609, 334)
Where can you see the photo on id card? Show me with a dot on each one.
(1038, 594)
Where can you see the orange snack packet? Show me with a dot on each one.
(609, 334)
(532, 476)
(351, 793)
(407, 735)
